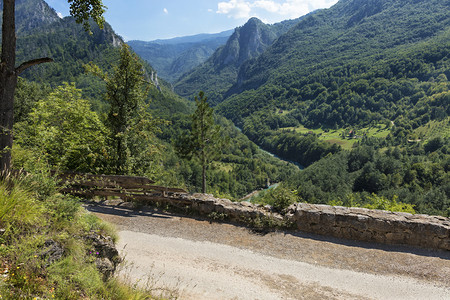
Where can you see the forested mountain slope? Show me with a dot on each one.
(174, 57)
(369, 75)
(357, 62)
(219, 72)
(41, 33)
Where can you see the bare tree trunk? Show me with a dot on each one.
(204, 178)
(8, 82)
(203, 155)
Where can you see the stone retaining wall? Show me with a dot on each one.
(342, 222)
(373, 225)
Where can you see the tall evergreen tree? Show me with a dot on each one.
(126, 91)
(204, 141)
(82, 10)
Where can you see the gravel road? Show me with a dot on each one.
(203, 260)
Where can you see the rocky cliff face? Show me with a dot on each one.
(246, 42)
(32, 14)
(220, 71)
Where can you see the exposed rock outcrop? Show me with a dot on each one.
(53, 251)
(107, 256)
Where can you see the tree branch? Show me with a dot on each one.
(31, 63)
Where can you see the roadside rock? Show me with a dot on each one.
(107, 256)
(342, 222)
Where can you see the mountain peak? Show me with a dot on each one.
(254, 20)
(246, 42)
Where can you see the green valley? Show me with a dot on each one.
(346, 137)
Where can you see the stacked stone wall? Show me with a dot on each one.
(342, 222)
(373, 225)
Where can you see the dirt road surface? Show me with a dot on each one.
(202, 260)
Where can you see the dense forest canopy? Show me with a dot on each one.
(354, 63)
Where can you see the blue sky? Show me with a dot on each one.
(157, 19)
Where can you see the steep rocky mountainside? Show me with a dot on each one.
(31, 14)
(219, 72)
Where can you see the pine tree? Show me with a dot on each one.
(204, 141)
(126, 91)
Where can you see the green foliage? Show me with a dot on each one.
(19, 211)
(205, 137)
(27, 94)
(241, 169)
(368, 175)
(279, 198)
(28, 223)
(358, 71)
(204, 141)
(70, 47)
(84, 10)
(368, 64)
(376, 202)
(302, 149)
(128, 119)
(63, 130)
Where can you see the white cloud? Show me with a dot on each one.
(274, 9)
(295, 8)
(60, 15)
(270, 6)
(165, 11)
(237, 9)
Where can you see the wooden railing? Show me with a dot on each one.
(125, 187)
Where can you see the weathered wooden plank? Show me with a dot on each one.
(125, 187)
(124, 179)
(167, 189)
(98, 184)
(161, 199)
(131, 196)
(93, 184)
